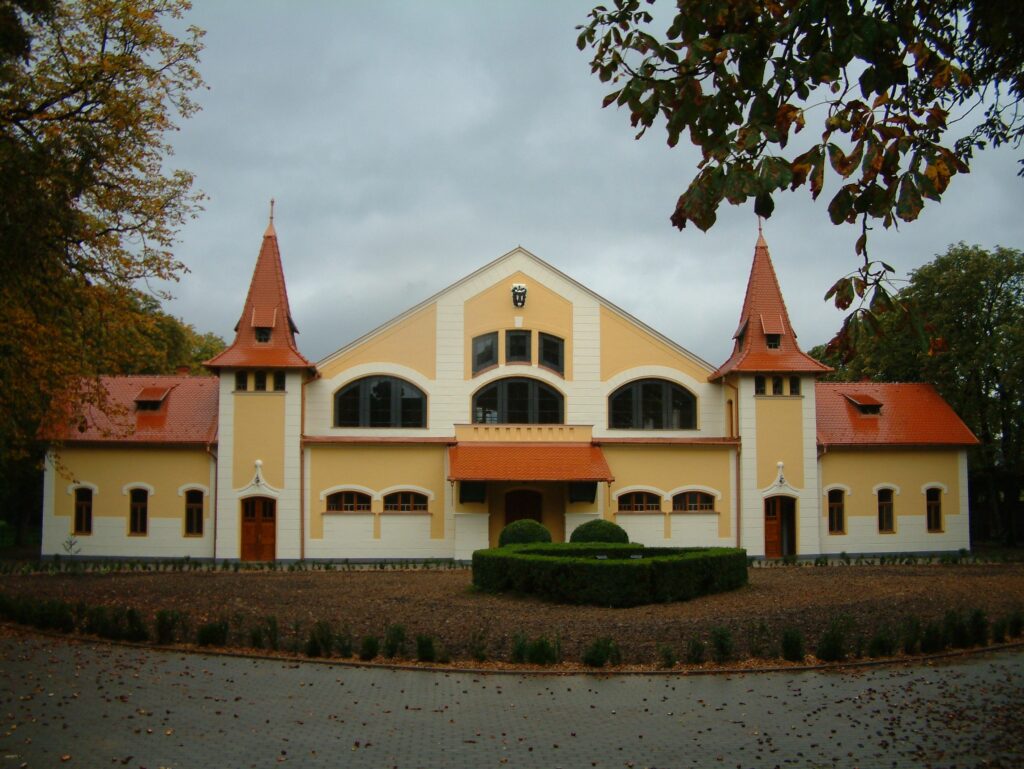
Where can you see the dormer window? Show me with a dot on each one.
(865, 404)
(773, 341)
(262, 334)
(151, 398)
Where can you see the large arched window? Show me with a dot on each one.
(380, 401)
(518, 401)
(348, 501)
(652, 404)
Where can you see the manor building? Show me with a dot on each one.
(514, 393)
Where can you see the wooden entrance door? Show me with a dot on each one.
(259, 529)
(779, 527)
(523, 503)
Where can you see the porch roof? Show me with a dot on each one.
(527, 462)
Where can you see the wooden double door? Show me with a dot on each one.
(523, 503)
(259, 529)
(779, 527)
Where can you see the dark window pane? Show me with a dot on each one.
(347, 408)
(259, 381)
(241, 380)
(552, 352)
(549, 406)
(379, 394)
(485, 351)
(279, 381)
(776, 385)
(759, 385)
(652, 415)
(412, 406)
(517, 402)
(517, 346)
(794, 385)
(681, 416)
(621, 412)
(485, 410)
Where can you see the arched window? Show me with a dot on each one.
(933, 509)
(405, 501)
(638, 502)
(348, 501)
(193, 513)
(83, 510)
(380, 401)
(138, 521)
(692, 501)
(652, 404)
(886, 512)
(836, 511)
(518, 401)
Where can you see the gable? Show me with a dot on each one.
(626, 345)
(410, 341)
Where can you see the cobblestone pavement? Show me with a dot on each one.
(92, 705)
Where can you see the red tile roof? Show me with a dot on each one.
(266, 306)
(910, 415)
(187, 413)
(764, 312)
(527, 462)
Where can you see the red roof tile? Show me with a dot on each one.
(527, 462)
(266, 306)
(764, 312)
(910, 415)
(187, 413)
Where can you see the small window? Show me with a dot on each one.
(147, 405)
(639, 502)
(405, 501)
(773, 341)
(259, 381)
(83, 511)
(279, 381)
(517, 346)
(262, 334)
(836, 511)
(193, 513)
(348, 501)
(241, 381)
(138, 521)
(794, 385)
(472, 491)
(692, 501)
(759, 385)
(886, 517)
(485, 351)
(583, 491)
(552, 353)
(933, 509)
(777, 385)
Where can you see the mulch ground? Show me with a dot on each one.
(443, 604)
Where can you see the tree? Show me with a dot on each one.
(972, 304)
(885, 80)
(90, 90)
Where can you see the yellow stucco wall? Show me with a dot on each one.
(412, 343)
(165, 469)
(779, 439)
(862, 470)
(377, 468)
(492, 310)
(669, 467)
(625, 346)
(259, 434)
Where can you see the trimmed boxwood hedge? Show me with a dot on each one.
(577, 572)
(524, 531)
(599, 530)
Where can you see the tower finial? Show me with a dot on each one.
(759, 220)
(272, 211)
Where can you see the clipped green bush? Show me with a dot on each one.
(601, 652)
(599, 531)
(213, 634)
(369, 648)
(721, 644)
(666, 656)
(882, 643)
(792, 645)
(609, 574)
(832, 644)
(933, 639)
(394, 641)
(523, 532)
(695, 651)
(425, 649)
(541, 651)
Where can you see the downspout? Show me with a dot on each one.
(302, 472)
(739, 496)
(216, 476)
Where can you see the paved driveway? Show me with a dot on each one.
(107, 706)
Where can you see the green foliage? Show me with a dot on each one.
(523, 532)
(977, 628)
(394, 641)
(999, 631)
(666, 656)
(758, 639)
(793, 645)
(608, 574)
(213, 633)
(738, 79)
(933, 639)
(518, 651)
(695, 650)
(722, 646)
(1015, 623)
(542, 651)
(320, 642)
(956, 630)
(169, 624)
(343, 643)
(832, 644)
(910, 638)
(601, 652)
(425, 650)
(882, 643)
(478, 645)
(599, 531)
(369, 648)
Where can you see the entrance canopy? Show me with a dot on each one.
(527, 462)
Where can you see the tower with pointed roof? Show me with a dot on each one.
(772, 381)
(262, 374)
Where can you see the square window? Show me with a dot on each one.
(262, 334)
(774, 341)
(794, 385)
(777, 385)
(552, 352)
(517, 346)
(759, 385)
(241, 381)
(279, 381)
(485, 351)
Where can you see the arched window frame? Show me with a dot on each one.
(835, 506)
(82, 523)
(638, 501)
(348, 501)
(138, 509)
(406, 501)
(636, 419)
(934, 520)
(886, 496)
(501, 408)
(694, 500)
(195, 509)
(364, 415)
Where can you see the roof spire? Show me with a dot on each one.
(271, 232)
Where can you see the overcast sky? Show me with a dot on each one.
(409, 143)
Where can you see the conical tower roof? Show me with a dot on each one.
(265, 334)
(765, 341)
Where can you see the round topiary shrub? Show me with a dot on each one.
(599, 531)
(523, 532)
